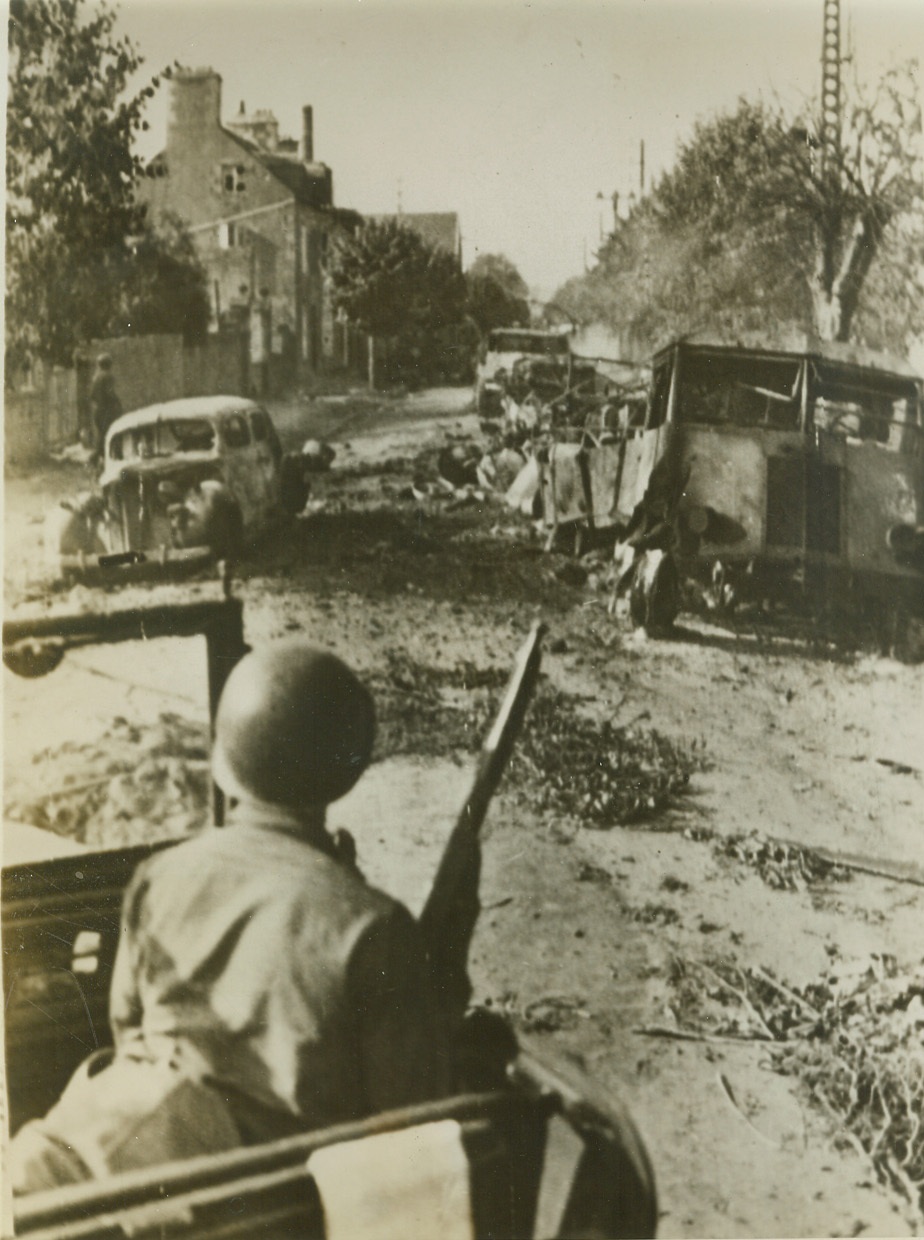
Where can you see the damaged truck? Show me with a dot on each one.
(762, 472)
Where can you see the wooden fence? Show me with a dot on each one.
(49, 408)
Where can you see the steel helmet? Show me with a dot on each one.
(294, 727)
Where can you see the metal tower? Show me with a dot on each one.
(830, 135)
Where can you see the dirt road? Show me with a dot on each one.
(589, 934)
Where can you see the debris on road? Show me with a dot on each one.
(603, 774)
(317, 456)
(787, 867)
(855, 1038)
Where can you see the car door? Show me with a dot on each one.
(239, 466)
(267, 455)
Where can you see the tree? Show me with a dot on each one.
(70, 174)
(388, 281)
(164, 287)
(497, 293)
(756, 223)
(861, 198)
(502, 271)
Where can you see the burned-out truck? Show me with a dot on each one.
(764, 469)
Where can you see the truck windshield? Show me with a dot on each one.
(739, 391)
(527, 342)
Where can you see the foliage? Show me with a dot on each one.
(853, 1037)
(70, 173)
(389, 282)
(502, 271)
(600, 774)
(164, 288)
(497, 293)
(756, 224)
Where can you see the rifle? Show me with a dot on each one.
(449, 915)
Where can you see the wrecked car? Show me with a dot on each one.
(182, 481)
(534, 1152)
(501, 353)
(762, 471)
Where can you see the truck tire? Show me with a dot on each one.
(654, 598)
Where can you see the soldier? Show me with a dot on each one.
(261, 986)
(259, 949)
(105, 405)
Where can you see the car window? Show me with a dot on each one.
(163, 437)
(189, 435)
(264, 432)
(235, 432)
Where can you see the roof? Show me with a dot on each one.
(187, 407)
(440, 229)
(308, 183)
(800, 344)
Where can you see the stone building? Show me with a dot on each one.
(260, 209)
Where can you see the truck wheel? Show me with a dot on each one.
(654, 599)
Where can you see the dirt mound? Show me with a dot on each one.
(129, 787)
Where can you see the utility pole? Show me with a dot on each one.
(830, 135)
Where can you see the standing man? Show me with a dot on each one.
(105, 405)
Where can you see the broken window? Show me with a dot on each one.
(870, 408)
(189, 435)
(235, 431)
(739, 391)
(233, 178)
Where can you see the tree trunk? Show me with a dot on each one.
(838, 279)
(370, 341)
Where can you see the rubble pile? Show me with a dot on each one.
(855, 1038)
(128, 787)
(786, 867)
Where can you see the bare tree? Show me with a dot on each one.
(758, 222)
(872, 180)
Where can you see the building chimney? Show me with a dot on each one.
(307, 135)
(195, 103)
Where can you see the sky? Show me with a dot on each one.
(524, 118)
